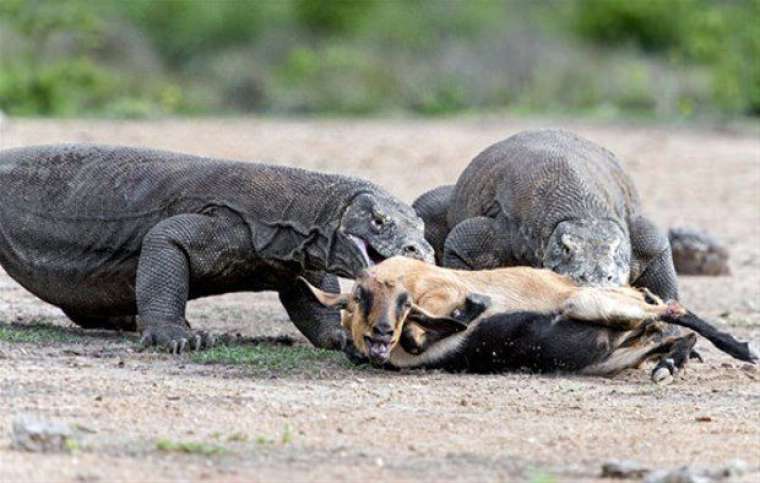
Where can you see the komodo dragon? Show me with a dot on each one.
(122, 237)
(551, 199)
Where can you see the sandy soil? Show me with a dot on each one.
(331, 421)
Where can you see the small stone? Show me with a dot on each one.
(678, 475)
(749, 368)
(703, 419)
(623, 469)
(735, 469)
(37, 435)
(696, 252)
(379, 462)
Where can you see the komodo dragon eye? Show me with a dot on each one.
(568, 244)
(377, 222)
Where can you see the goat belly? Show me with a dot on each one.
(528, 341)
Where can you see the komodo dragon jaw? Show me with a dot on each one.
(592, 252)
(376, 227)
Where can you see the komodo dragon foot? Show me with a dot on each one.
(175, 338)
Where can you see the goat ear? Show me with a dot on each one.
(474, 306)
(335, 300)
(442, 325)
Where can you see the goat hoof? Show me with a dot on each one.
(662, 376)
(664, 371)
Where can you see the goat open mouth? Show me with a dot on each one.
(378, 351)
(370, 255)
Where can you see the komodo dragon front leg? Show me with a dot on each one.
(433, 208)
(652, 259)
(477, 243)
(177, 252)
(320, 324)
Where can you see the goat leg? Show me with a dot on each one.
(669, 365)
(722, 340)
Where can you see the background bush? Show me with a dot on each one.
(670, 58)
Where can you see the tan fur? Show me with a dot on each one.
(439, 291)
(385, 292)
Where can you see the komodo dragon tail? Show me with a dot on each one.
(722, 340)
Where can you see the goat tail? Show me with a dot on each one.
(722, 340)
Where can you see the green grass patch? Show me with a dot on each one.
(36, 333)
(285, 438)
(237, 437)
(271, 357)
(188, 447)
(45, 333)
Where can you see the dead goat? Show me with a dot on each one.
(408, 314)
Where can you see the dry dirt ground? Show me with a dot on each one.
(274, 413)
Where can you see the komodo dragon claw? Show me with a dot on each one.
(175, 338)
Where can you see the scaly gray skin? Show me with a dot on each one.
(551, 199)
(123, 237)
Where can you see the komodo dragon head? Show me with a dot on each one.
(592, 252)
(376, 226)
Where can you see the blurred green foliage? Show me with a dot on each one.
(653, 25)
(722, 36)
(136, 58)
(182, 29)
(331, 17)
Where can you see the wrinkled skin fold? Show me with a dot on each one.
(122, 237)
(549, 198)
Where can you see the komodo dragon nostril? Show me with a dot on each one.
(410, 250)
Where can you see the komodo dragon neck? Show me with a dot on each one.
(301, 224)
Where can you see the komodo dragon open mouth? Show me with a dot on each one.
(370, 255)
